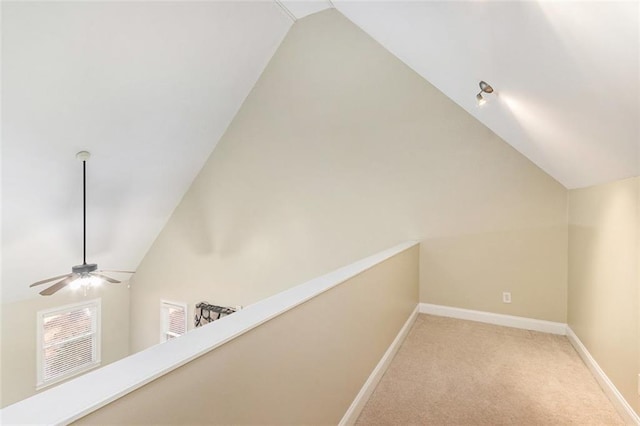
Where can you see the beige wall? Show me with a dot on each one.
(604, 280)
(340, 151)
(18, 370)
(305, 366)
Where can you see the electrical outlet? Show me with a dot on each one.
(506, 297)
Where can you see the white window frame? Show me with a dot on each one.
(164, 318)
(96, 349)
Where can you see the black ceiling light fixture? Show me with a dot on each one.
(484, 88)
(85, 275)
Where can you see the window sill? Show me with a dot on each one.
(58, 380)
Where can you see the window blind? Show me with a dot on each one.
(174, 320)
(68, 341)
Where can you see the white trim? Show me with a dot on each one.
(286, 10)
(497, 319)
(618, 401)
(69, 306)
(369, 386)
(72, 400)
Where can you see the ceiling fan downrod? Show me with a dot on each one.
(85, 275)
(84, 212)
(84, 268)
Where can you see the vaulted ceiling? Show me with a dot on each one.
(149, 88)
(566, 74)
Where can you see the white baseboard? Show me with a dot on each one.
(497, 319)
(369, 386)
(618, 401)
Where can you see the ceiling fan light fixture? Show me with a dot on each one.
(85, 282)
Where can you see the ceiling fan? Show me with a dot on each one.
(85, 275)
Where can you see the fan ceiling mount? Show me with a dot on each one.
(87, 274)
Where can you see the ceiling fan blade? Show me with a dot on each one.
(121, 272)
(49, 279)
(106, 278)
(58, 286)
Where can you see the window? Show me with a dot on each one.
(173, 320)
(68, 341)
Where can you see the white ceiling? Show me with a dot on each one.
(566, 73)
(150, 87)
(147, 87)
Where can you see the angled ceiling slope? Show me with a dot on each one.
(147, 87)
(300, 8)
(566, 74)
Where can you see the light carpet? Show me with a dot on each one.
(456, 372)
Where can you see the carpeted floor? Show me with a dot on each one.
(455, 372)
